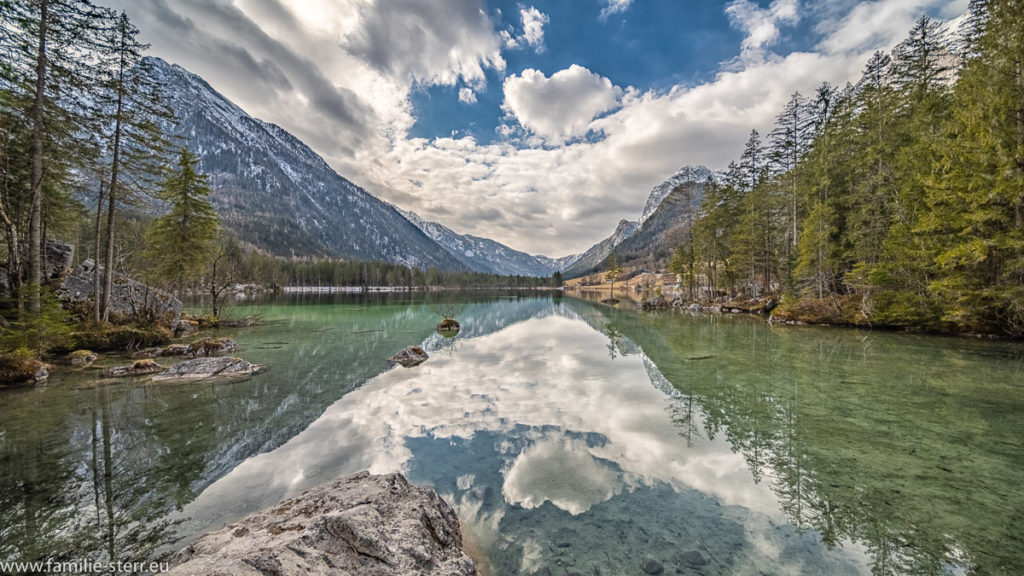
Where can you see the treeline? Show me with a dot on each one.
(895, 201)
(255, 268)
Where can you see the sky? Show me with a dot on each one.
(539, 124)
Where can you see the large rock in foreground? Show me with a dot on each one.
(361, 524)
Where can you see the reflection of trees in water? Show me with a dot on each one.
(89, 482)
(876, 439)
(98, 473)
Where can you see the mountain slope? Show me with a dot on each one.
(699, 174)
(597, 253)
(275, 193)
(484, 255)
(650, 240)
(651, 246)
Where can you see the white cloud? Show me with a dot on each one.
(761, 25)
(533, 31)
(613, 7)
(542, 188)
(879, 25)
(561, 107)
(467, 96)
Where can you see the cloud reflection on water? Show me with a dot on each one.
(550, 372)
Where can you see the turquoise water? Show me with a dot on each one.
(571, 437)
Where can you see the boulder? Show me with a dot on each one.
(205, 367)
(695, 307)
(138, 368)
(57, 257)
(186, 327)
(82, 358)
(147, 352)
(448, 327)
(128, 299)
(211, 347)
(410, 356)
(175, 350)
(656, 303)
(361, 524)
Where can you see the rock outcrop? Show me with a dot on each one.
(128, 298)
(57, 257)
(201, 368)
(361, 524)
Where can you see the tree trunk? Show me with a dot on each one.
(96, 299)
(35, 264)
(1019, 220)
(108, 272)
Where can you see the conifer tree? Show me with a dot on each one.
(975, 217)
(52, 65)
(180, 243)
(136, 144)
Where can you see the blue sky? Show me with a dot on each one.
(539, 124)
(664, 44)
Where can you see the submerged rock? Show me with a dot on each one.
(200, 368)
(410, 356)
(652, 566)
(694, 558)
(360, 524)
(138, 368)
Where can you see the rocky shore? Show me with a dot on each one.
(372, 525)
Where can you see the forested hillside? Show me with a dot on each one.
(895, 201)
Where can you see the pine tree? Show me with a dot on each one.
(612, 271)
(52, 66)
(788, 142)
(131, 102)
(180, 243)
(975, 219)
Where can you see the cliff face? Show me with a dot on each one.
(360, 524)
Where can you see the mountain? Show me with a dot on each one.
(484, 255)
(652, 245)
(592, 258)
(557, 264)
(275, 193)
(651, 240)
(698, 174)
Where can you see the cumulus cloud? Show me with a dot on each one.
(614, 7)
(761, 25)
(339, 75)
(467, 96)
(533, 31)
(425, 42)
(561, 107)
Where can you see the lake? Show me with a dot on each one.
(570, 437)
